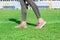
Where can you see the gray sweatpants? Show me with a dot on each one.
(23, 9)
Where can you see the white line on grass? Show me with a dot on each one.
(53, 22)
(6, 22)
(14, 22)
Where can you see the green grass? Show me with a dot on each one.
(10, 18)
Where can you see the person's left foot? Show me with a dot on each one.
(21, 25)
(40, 25)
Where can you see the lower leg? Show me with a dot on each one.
(35, 8)
(41, 22)
(23, 9)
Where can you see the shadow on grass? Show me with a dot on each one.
(18, 22)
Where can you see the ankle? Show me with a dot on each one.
(23, 22)
(40, 20)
